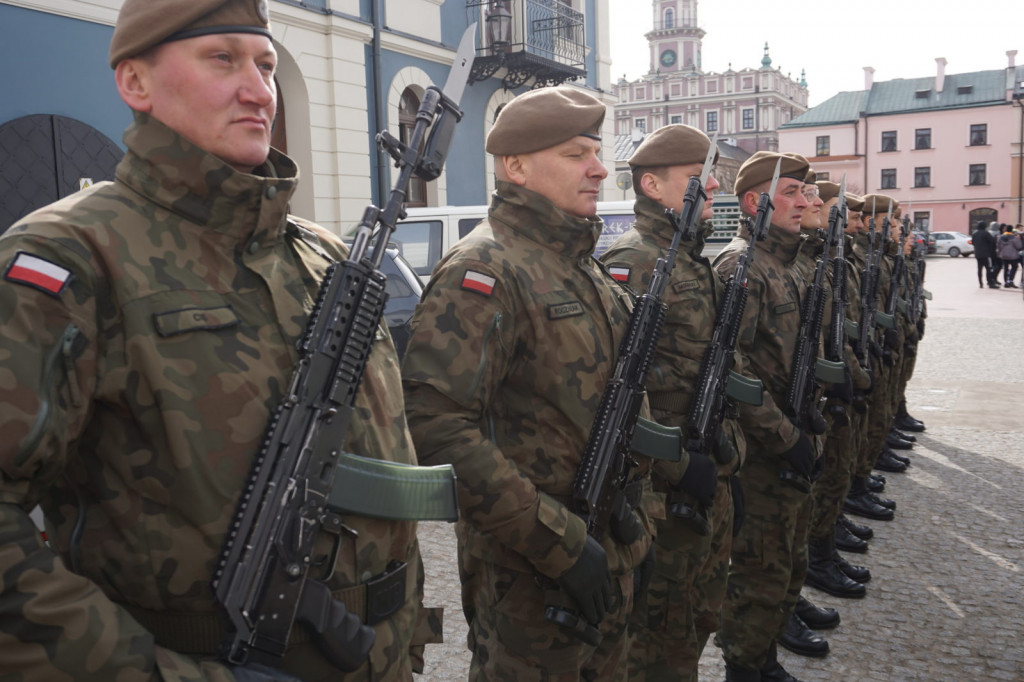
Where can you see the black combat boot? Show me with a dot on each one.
(859, 503)
(876, 482)
(864, 532)
(801, 640)
(816, 617)
(853, 572)
(848, 542)
(887, 461)
(882, 501)
(904, 422)
(897, 443)
(773, 670)
(904, 436)
(824, 574)
(734, 674)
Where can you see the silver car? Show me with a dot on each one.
(953, 243)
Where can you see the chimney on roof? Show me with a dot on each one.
(1011, 57)
(940, 73)
(869, 77)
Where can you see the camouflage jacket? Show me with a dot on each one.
(771, 320)
(691, 297)
(149, 327)
(511, 348)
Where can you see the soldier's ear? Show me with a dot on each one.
(514, 168)
(133, 83)
(651, 185)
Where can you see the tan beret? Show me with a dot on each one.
(143, 24)
(673, 145)
(827, 191)
(875, 204)
(854, 202)
(760, 167)
(811, 177)
(543, 118)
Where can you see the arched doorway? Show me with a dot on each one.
(48, 157)
(986, 215)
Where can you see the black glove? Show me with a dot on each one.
(860, 403)
(642, 575)
(800, 456)
(623, 524)
(254, 672)
(589, 582)
(700, 479)
(739, 506)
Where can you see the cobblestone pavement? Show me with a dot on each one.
(946, 599)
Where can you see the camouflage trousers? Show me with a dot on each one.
(769, 563)
(512, 640)
(838, 463)
(881, 411)
(670, 626)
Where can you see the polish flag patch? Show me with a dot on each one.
(38, 273)
(619, 274)
(478, 282)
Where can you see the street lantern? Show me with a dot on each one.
(499, 26)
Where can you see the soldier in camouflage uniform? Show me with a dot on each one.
(769, 556)
(861, 500)
(511, 348)
(671, 626)
(149, 328)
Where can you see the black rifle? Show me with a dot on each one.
(883, 318)
(836, 247)
(599, 489)
(866, 344)
(711, 399)
(263, 579)
(803, 405)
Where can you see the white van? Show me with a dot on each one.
(427, 233)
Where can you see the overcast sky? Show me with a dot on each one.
(899, 38)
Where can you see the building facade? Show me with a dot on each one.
(348, 69)
(745, 107)
(947, 146)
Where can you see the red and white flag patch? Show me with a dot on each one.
(619, 274)
(38, 273)
(478, 282)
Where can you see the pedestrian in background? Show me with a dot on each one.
(984, 251)
(1008, 247)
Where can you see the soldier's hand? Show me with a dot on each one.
(800, 456)
(700, 480)
(254, 672)
(589, 582)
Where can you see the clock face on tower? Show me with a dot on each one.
(668, 58)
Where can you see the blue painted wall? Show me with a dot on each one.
(65, 73)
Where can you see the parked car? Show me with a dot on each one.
(953, 243)
(919, 241)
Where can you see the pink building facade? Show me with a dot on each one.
(747, 106)
(948, 146)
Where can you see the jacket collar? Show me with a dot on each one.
(538, 219)
(651, 219)
(187, 181)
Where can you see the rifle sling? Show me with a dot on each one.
(656, 441)
(390, 490)
(203, 632)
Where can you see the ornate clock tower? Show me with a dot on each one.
(676, 38)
